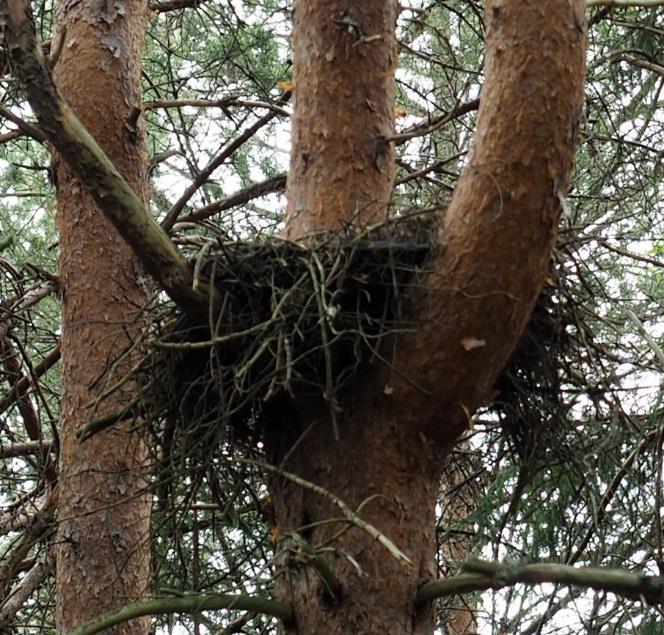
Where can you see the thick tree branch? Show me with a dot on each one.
(28, 448)
(498, 231)
(625, 3)
(190, 604)
(477, 575)
(480, 575)
(99, 176)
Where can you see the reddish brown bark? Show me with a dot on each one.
(495, 243)
(342, 167)
(103, 554)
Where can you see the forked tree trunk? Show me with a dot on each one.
(496, 238)
(103, 548)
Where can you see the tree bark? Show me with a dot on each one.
(342, 166)
(104, 510)
(495, 240)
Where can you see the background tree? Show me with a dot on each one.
(578, 435)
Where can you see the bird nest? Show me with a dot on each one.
(296, 320)
(290, 320)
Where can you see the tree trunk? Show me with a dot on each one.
(496, 237)
(342, 166)
(104, 510)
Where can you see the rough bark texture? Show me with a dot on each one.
(342, 166)
(497, 235)
(103, 553)
(390, 474)
(495, 243)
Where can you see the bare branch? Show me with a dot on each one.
(189, 604)
(24, 589)
(215, 103)
(23, 126)
(352, 517)
(275, 184)
(625, 3)
(480, 575)
(25, 449)
(202, 178)
(175, 5)
(22, 514)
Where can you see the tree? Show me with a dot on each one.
(103, 506)
(357, 451)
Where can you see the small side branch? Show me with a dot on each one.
(350, 515)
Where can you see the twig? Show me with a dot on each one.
(349, 514)
(203, 176)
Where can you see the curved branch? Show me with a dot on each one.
(498, 232)
(480, 575)
(189, 604)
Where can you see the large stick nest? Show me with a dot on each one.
(295, 320)
(291, 319)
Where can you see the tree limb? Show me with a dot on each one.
(477, 575)
(99, 176)
(625, 3)
(480, 575)
(25, 449)
(24, 589)
(274, 184)
(189, 604)
(174, 5)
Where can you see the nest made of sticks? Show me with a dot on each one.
(291, 319)
(531, 404)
